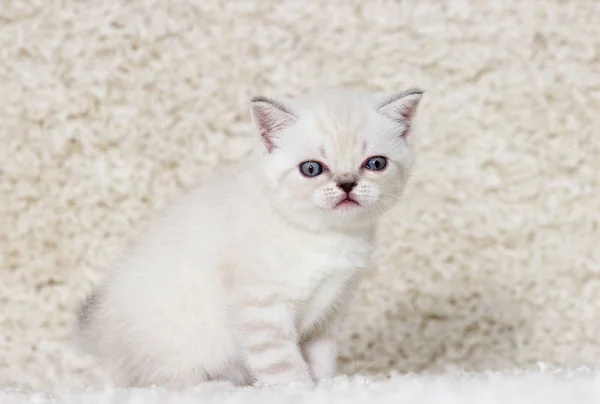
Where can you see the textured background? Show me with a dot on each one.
(109, 110)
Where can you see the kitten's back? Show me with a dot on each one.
(166, 296)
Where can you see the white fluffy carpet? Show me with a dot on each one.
(581, 387)
(110, 109)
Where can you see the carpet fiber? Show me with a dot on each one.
(581, 387)
(110, 110)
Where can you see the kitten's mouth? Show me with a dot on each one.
(347, 202)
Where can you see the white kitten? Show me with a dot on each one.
(246, 279)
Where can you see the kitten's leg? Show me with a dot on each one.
(320, 346)
(321, 350)
(271, 345)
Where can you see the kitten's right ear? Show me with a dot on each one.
(270, 117)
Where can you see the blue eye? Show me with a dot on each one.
(311, 168)
(377, 163)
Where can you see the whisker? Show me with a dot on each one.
(370, 366)
(377, 204)
(397, 197)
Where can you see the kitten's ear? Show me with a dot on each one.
(401, 107)
(270, 117)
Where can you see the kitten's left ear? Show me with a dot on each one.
(402, 107)
(270, 117)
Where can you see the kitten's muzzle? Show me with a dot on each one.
(347, 199)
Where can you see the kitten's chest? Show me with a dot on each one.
(311, 262)
(317, 274)
(330, 294)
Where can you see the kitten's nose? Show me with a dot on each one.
(347, 187)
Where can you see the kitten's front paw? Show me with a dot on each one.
(321, 358)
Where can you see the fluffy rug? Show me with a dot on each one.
(582, 387)
(109, 110)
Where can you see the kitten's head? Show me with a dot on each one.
(337, 159)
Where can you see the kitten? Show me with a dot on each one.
(246, 279)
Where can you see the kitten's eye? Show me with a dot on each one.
(376, 163)
(311, 168)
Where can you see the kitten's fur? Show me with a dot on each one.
(246, 279)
